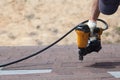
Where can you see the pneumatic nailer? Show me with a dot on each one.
(84, 40)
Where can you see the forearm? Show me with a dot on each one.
(95, 11)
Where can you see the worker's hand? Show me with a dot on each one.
(92, 26)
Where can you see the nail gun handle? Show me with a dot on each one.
(100, 20)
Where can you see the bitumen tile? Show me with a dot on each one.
(64, 62)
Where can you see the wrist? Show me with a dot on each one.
(92, 24)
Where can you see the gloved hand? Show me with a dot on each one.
(92, 26)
